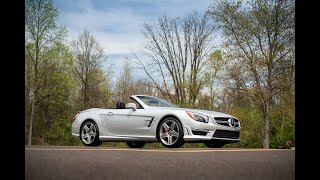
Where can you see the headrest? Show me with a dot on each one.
(120, 105)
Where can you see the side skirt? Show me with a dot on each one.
(126, 138)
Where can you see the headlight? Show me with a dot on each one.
(198, 117)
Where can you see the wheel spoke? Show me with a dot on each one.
(163, 135)
(93, 130)
(93, 134)
(175, 134)
(173, 124)
(86, 128)
(169, 139)
(89, 138)
(90, 129)
(165, 126)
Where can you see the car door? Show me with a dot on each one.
(127, 122)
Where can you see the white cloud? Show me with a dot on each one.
(118, 31)
(117, 28)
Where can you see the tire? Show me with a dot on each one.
(171, 134)
(89, 134)
(211, 144)
(136, 144)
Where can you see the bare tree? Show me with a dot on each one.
(259, 44)
(88, 56)
(145, 87)
(177, 49)
(213, 67)
(125, 83)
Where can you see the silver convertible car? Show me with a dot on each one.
(151, 119)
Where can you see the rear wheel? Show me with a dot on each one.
(211, 144)
(136, 144)
(170, 133)
(89, 134)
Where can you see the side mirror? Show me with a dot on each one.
(131, 106)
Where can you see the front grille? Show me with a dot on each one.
(201, 133)
(224, 121)
(227, 134)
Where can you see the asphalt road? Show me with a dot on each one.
(73, 162)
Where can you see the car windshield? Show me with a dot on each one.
(156, 102)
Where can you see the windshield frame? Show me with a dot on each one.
(162, 101)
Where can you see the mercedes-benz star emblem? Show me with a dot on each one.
(231, 122)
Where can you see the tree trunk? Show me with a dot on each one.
(31, 121)
(266, 127)
(211, 96)
(282, 122)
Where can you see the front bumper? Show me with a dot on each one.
(211, 132)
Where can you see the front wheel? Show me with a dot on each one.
(89, 134)
(136, 144)
(210, 144)
(170, 133)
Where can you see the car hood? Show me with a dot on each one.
(206, 112)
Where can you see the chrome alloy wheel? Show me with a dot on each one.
(169, 132)
(88, 134)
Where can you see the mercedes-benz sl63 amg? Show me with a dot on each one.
(151, 119)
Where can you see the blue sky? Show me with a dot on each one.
(116, 24)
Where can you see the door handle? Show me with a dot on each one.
(109, 113)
